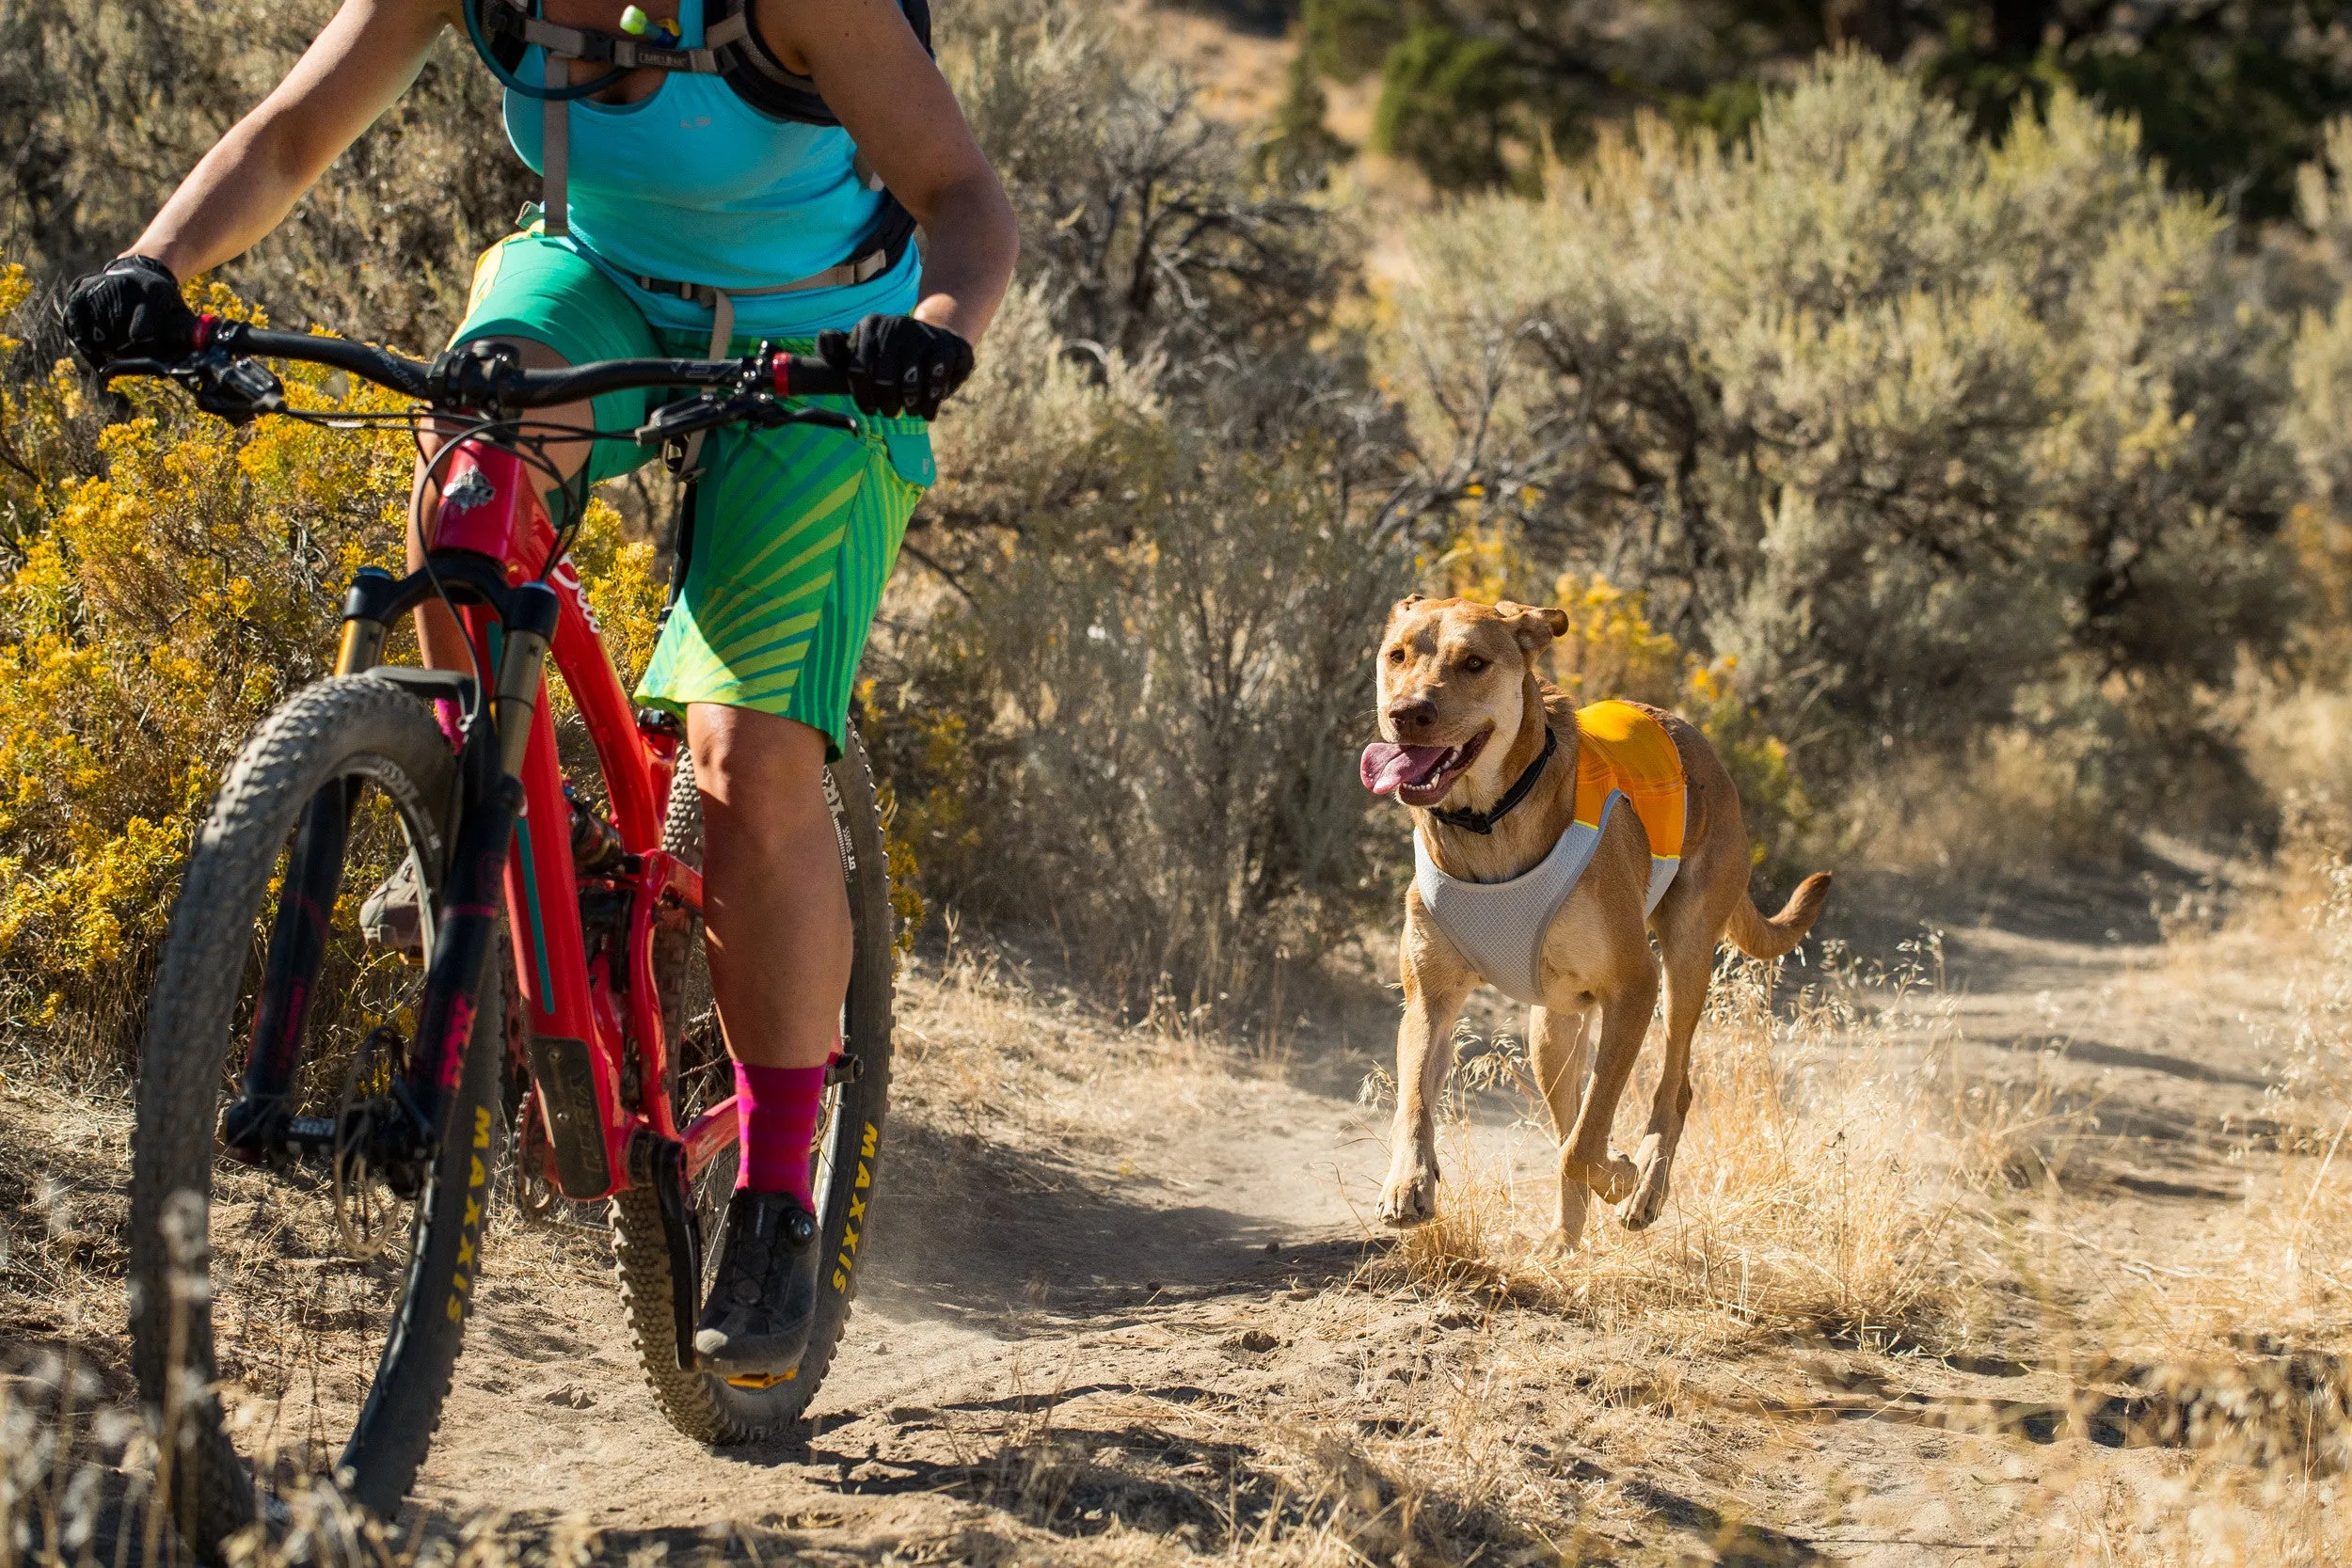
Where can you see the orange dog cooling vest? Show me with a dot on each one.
(1622, 754)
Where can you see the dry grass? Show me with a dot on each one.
(1846, 1180)
(1821, 1187)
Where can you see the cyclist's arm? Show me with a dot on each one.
(898, 107)
(245, 186)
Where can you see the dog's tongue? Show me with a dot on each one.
(1386, 765)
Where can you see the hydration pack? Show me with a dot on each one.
(731, 49)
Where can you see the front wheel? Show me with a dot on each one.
(294, 1322)
(707, 1408)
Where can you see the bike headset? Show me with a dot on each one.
(733, 50)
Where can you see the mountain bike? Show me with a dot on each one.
(320, 1118)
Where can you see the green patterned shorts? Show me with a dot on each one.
(795, 530)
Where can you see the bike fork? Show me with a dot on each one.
(257, 1125)
(470, 908)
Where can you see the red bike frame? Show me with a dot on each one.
(582, 1015)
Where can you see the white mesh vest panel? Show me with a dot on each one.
(1499, 927)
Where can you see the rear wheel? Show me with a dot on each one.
(705, 1407)
(294, 1325)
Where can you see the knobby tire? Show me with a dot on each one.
(334, 730)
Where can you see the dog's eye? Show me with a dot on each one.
(1396, 656)
(1473, 664)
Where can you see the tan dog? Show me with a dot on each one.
(1462, 716)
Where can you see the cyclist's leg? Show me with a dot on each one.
(771, 887)
(795, 536)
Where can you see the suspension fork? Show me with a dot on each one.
(466, 935)
(466, 932)
(255, 1123)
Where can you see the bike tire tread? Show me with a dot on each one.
(290, 755)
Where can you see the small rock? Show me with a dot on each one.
(1257, 1341)
(572, 1395)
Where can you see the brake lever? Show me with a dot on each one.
(774, 415)
(236, 390)
(675, 421)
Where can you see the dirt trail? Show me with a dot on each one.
(999, 1275)
(1118, 1301)
(1050, 1322)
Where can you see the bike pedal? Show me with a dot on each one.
(762, 1380)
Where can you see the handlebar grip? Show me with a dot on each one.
(797, 375)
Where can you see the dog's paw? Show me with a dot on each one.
(1655, 1162)
(1556, 1247)
(1410, 1196)
(1611, 1181)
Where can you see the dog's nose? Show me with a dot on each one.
(1409, 718)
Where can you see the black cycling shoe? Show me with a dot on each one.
(756, 1321)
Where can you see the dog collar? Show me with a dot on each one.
(1483, 821)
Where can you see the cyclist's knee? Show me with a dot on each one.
(760, 769)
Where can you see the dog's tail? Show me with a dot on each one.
(1759, 937)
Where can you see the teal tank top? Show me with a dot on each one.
(692, 184)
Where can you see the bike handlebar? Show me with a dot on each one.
(477, 377)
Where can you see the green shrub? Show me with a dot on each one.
(1158, 696)
(106, 104)
(1934, 438)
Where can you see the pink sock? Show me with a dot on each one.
(776, 1115)
(453, 722)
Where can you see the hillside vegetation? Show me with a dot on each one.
(1978, 483)
(1894, 455)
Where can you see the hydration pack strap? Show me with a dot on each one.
(555, 147)
(618, 50)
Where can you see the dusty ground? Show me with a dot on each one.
(1125, 1301)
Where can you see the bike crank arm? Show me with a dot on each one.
(660, 1164)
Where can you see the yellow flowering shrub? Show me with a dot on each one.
(151, 616)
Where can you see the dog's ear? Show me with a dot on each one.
(1532, 627)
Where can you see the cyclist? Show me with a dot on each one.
(692, 210)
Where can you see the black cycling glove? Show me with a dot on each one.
(131, 311)
(897, 364)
